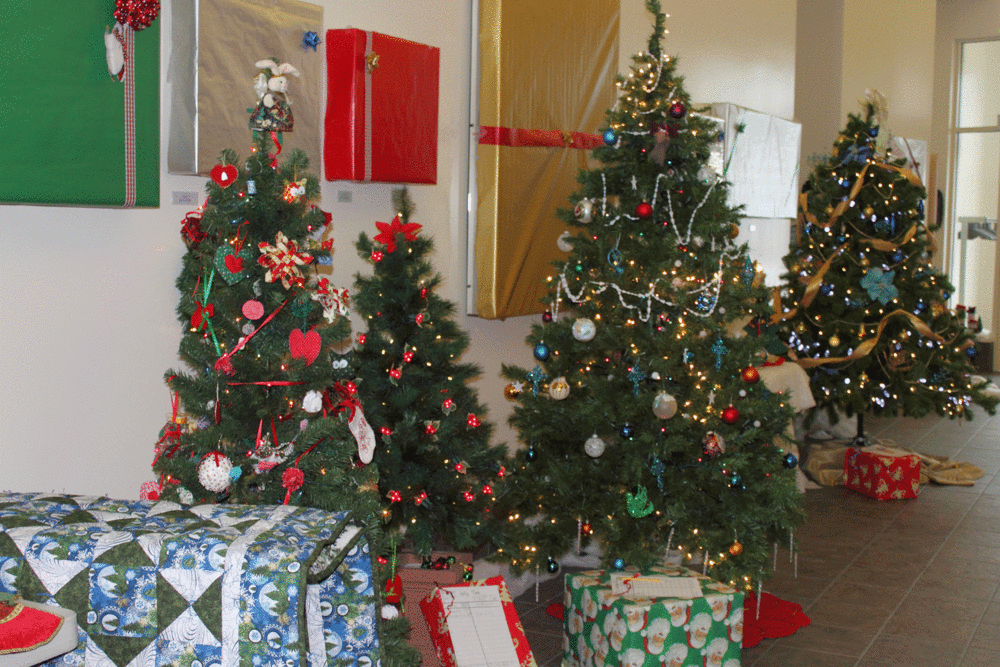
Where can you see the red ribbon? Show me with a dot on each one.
(274, 158)
(224, 363)
(348, 400)
(511, 136)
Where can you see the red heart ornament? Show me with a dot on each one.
(304, 345)
(224, 175)
(234, 263)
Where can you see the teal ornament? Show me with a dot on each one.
(233, 266)
(618, 564)
(790, 460)
(719, 349)
(610, 137)
(636, 375)
(542, 352)
(878, 284)
(615, 260)
(301, 305)
(748, 272)
(531, 455)
(535, 376)
(628, 431)
(552, 566)
(736, 482)
(638, 505)
(235, 473)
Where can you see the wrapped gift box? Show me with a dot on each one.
(884, 473)
(601, 628)
(435, 613)
(382, 108)
(419, 582)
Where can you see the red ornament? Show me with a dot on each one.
(472, 420)
(149, 491)
(677, 109)
(587, 529)
(469, 496)
(448, 404)
(730, 415)
(487, 490)
(394, 496)
(382, 560)
(419, 319)
(682, 247)
(423, 292)
(408, 356)
(223, 175)
(386, 431)
(644, 210)
(394, 590)
(395, 373)
(138, 14)
(377, 255)
(460, 468)
(430, 428)
(502, 472)
(750, 374)
(351, 388)
(361, 339)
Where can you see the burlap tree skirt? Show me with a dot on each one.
(824, 463)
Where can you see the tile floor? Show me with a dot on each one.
(909, 583)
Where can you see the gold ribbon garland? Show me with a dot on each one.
(866, 346)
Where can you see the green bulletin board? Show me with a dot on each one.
(62, 115)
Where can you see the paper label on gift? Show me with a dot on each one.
(478, 627)
(638, 586)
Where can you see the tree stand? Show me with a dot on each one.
(861, 440)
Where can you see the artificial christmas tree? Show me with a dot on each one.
(645, 422)
(437, 471)
(866, 310)
(265, 412)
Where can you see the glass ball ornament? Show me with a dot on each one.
(750, 375)
(618, 564)
(735, 549)
(586, 528)
(834, 341)
(730, 415)
(511, 392)
(644, 210)
(734, 231)
(677, 110)
(546, 317)
(552, 566)
(736, 482)
(594, 446)
(610, 137)
(627, 430)
(584, 329)
(564, 243)
(542, 352)
(559, 388)
(790, 460)
(664, 405)
(584, 210)
(531, 454)
(712, 445)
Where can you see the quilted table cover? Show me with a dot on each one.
(157, 583)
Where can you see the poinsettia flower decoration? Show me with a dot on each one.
(333, 301)
(878, 284)
(388, 230)
(282, 261)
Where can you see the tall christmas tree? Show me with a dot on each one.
(865, 308)
(437, 471)
(261, 411)
(646, 425)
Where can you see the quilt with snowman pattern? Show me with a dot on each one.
(157, 583)
(601, 628)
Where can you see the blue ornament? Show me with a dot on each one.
(898, 256)
(628, 431)
(790, 461)
(736, 482)
(921, 307)
(826, 289)
(971, 352)
(324, 260)
(310, 40)
(873, 131)
(610, 137)
(920, 206)
(878, 284)
(618, 565)
(552, 566)
(542, 352)
(531, 454)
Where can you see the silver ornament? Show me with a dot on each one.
(584, 329)
(594, 446)
(664, 405)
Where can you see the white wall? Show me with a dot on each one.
(88, 325)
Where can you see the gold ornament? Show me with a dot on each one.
(559, 388)
(511, 392)
(734, 231)
(834, 341)
(868, 212)
(828, 210)
(864, 261)
(736, 548)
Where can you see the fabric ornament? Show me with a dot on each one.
(200, 316)
(312, 402)
(191, 230)
(231, 263)
(356, 422)
(282, 261)
(389, 230)
(150, 491)
(333, 301)
(712, 445)
(294, 191)
(185, 496)
(306, 346)
(253, 309)
(213, 472)
(224, 175)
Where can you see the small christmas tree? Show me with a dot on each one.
(437, 471)
(264, 413)
(645, 422)
(866, 309)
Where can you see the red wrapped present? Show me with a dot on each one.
(446, 612)
(884, 473)
(382, 108)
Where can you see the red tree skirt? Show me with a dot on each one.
(24, 628)
(778, 618)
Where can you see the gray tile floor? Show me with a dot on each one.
(909, 583)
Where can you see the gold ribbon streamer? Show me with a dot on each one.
(811, 289)
(866, 346)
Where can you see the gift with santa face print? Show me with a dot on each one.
(601, 627)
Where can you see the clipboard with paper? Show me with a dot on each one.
(474, 624)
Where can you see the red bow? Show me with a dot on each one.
(349, 400)
(201, 314)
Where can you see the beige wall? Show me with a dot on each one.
(88, 325)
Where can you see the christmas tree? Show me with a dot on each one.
(646, 425)
(866, 309)
(437, 471)
(263, 412)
